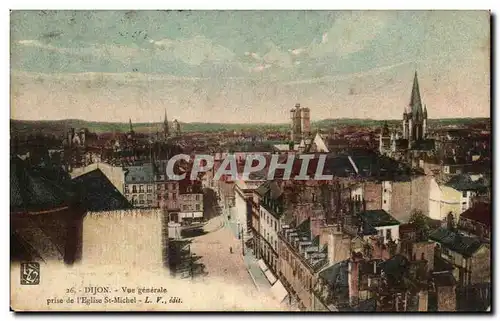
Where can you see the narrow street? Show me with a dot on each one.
(234, 268)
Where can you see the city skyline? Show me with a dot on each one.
(247, 67)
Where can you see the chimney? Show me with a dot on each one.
(423, 301)
(338, 248)
(353, 279)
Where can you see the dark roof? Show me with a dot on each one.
(456, 242)
(98, 194)
(423, 144)
(395, 266)
(444, 279)
(479, 212)
(441, 265)
(304, 229)
(139, 174)
(31, 192)
(336, 275)
(464, 182)
(377, 218)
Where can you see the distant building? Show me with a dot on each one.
(476, 221)
(176, 128)
(139, 187)
(190, 203)
(414, 129)
(301, 123)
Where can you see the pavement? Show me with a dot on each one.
(260, 280)
(214, 249)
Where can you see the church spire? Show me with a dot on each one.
(165, 124)
(130, 124)
(415, 101)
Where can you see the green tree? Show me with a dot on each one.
(422, 224)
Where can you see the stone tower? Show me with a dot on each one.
(300, 123)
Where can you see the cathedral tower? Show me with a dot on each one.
(165, 125)
(414, 116)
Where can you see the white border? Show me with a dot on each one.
(188, 4)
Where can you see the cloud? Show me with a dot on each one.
(371, 72)
(260, 68)
(297, 51)
(324, 38)
(352, 32)
(193, 51)
(110, 51)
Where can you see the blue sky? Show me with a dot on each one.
(246, 66)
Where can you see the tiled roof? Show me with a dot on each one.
(98, 194)
(456, 242)
(336, 275)
(31, 192)
(480, 212)
(378, 218)
(464, 182)
(139, 174)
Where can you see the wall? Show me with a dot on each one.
(407, 196)
(481, 266)
(394, 232)
(268, 236)
(447, 298)
(132, 238)
(302, 280)
(442, 200)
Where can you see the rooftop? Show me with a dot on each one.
(140, 174)
(479, 212)
(98, 194)
(32, 192)
(378, 218)
(456, 242)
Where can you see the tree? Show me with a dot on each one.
(421, 223)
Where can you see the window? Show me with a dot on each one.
(174, 196)
(134, 189)
(159, 197)
(197, 197)
(380, 232)
(150, 188)
(275, 227)
(141, 197)
(141, 188)
(184, 207)
(313, 197)
(385, 190)
(385, 201)
(464, 194)
(389, 234)
(197, 207)
(150, 197)
(126, 188)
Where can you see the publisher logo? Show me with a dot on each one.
(30, 273)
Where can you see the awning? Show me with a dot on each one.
(262, 265)
(270, 276)
(279, 291)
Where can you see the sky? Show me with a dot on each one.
(246, 66)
